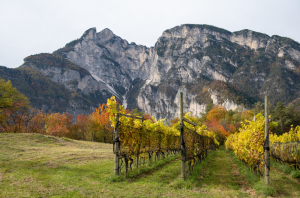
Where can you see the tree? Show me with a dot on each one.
(280, 115)
(82, 129)
(59, 124)
(293, 116)
(37, 122)
(217, 112)
(14, 108)
(103, 130)
(207, 109)
(10, 98)
(14, 120)
(258, 108)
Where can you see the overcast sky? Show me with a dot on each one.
(36, 26)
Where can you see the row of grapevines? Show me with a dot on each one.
(292, 136)
(198, 140)
(248, 143)
(150, 137)
(286, 147)
(143, 138)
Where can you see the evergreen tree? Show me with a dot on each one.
(280, 115)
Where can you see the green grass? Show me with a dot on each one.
(33, 165)
(254, 180)
(290, 170)
(216, 176)
(280, 184)
(144, 169)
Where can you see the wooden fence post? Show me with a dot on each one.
(266, 144)
(116, 142)
(183, 152)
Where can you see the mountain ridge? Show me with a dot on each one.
(249, 64)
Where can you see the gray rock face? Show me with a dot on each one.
(190, 58)
(71, 79)
(86, 92)
(112, 60)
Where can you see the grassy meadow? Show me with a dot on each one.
(34, 165)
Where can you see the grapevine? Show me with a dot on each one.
(286, 147)
(141, 139)
(248, 143)
(198, 141)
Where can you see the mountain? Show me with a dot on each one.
(55, 84)
(41, 91)
(208, 64)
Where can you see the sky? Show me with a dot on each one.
(34, 26)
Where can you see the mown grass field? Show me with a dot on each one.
(34, 165)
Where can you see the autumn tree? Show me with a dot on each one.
(216, 112)
(82, 129)
(102, 129)
(14, 108)
(37, 122)
(59, 124)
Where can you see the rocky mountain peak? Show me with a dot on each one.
(90, 34)
(105, 35)
(207, 63)
(251, 39)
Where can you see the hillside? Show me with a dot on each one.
(55, 84)
(34, 165)
(42, 92)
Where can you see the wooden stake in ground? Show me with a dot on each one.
(116, 143)
(183, 152)
(266, 144)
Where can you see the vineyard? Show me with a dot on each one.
(35, 165)
(248, 144)
(286, 148)
(140, 140)
(146, 153)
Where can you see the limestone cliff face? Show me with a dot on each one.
(71, 79)
(84, 90)
(207, 63)
(112, 60)
(243, 59)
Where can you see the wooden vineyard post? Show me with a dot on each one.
(183, 152)
(266, 144)
(116, 141)
(137, 158)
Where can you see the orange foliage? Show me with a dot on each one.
(101, 117)
(59, 124)
(232, 128)
(220, 130)
(148, 117)
(217, 112)
(82, 127)
(16, 119)
(102, 124)
(37, 123)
